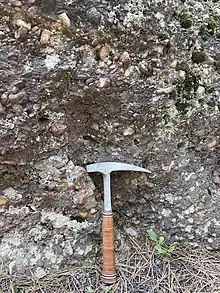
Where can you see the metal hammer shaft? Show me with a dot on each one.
(107, 192)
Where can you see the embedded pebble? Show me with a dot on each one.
(103, 52)
(64, 19)
(93, 14)
(216, 11)
(212, 143)
(217, 179)
(200, 91)
(165, 42)
(166, 90)
(45, 37)
(22, 23)
(32, 9)
(79, 251)
(173, 64)
(129, 71)
(12, 194)
(52, 61)
(2, 34)
(166, 212)
(159, 49)
(58, 128)
(170, 103)
(21, 33)
(190, 210)
(16, 3)
(2, 109)
(4, 28)
(131, 232)
(40, 273)
(95, 126)
(19, 98)
(3, 201)
(35, 29)
(52, 185)
(83, 215)
(17, 109)
(142, 200)
(103, 82)
(190, 220)
(128, 131)
(188, 228)
(209, 60)
(125, 58)
(93, 211)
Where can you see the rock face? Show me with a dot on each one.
(131, 81)
(41, 228)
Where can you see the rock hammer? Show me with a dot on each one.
(109, 272)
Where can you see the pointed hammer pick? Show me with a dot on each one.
(109, 272)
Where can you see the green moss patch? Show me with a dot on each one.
(184, 18)
(198, 56)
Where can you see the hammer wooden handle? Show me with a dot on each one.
(109, 274)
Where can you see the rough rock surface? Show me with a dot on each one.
(135, 81)
(45, 225)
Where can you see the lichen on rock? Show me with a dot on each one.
(42, 235)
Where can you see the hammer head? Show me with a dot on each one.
(108, 167)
